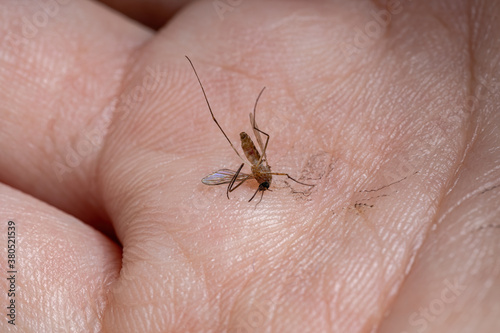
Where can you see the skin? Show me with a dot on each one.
(397, 130)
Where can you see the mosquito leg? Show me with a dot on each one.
(231, 183)
(289, 177)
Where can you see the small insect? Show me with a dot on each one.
(261, 170)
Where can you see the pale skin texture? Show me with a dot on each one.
(415, 101)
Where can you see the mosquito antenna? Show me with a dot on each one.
(210, 108)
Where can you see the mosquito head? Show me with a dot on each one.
(264, 186)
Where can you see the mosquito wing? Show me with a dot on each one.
(224, 176)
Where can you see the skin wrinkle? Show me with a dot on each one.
(489, 189)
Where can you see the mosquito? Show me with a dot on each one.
(261, 170)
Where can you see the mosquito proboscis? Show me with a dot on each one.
(261, 170)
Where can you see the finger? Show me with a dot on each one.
(58, 86)
(61, 271)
